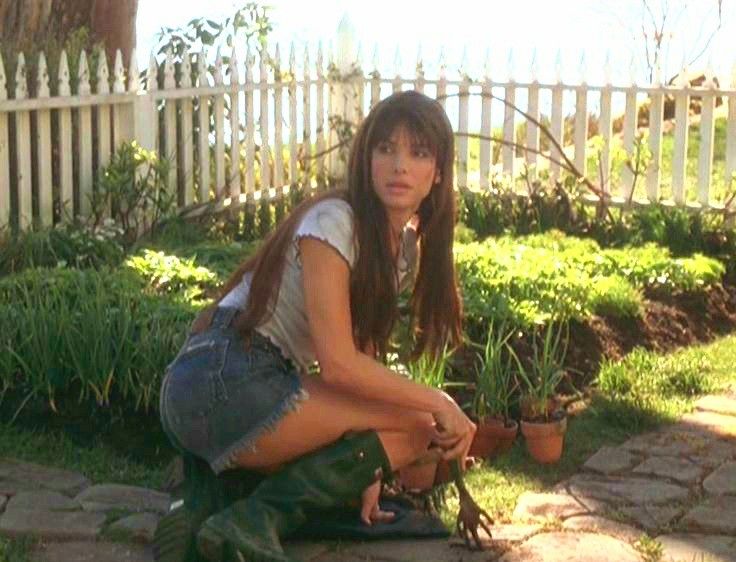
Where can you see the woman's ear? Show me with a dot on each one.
(437, 177)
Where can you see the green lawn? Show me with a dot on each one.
(605, 420)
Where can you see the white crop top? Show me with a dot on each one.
(330, 220)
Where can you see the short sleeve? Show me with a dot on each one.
(331, 221)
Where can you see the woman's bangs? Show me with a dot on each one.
(418, 129)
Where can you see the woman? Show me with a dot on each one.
(324, 287)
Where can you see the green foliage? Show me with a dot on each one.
(133, 189)
(643, 379)
(16, 550)
(430, 370)
(169, 274)
(534, 279)
(250, 21)
(543, 372)
(69, 245)
(614, 295)
(86, 336)
(495, 382)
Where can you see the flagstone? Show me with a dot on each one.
(103, 497)
(42, 500)
(53, 525)
(706, 548)
(139, 527)
(610, 460)
(722, 481)
(714, 515)
(722, 404)
(83, 551)
(626, 490)
(572, 547)
(542, 507)
(598, 524)
(25, 475)
(682, 470)
(652, 517)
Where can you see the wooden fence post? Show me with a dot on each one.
(344, 94)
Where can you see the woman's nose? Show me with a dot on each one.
(399, 162)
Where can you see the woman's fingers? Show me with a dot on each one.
(369, 503)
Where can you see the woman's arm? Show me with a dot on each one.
(327, 295)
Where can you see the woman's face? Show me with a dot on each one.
(402, 172)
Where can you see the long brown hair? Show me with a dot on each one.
(435, 303)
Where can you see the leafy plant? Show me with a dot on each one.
(430, 370)
(541, 377)
(66, 245)
(495, 382)
(73, 336)
(132, 190)
(171, 274)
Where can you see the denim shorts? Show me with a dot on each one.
(219, 395)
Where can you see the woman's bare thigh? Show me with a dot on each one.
(328, 414)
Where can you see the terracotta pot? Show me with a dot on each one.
(492, 438)
(544, 439)
(443, 471)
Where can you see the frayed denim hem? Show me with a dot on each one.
(290, 404)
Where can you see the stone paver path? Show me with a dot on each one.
(677, 485)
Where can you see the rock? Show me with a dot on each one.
(436, 550)
(623, 490)
(306, 550)
(680, 442)
(104, 497)
(610, 460)
(597, 524)
(139, 527)
(572, 547)
(53, 525)
(722, 481)
(718, 424)
(33, 476)
(652, 517)
(715, 454)
(92, 552)
(42, 501)
(685, 548)
(682, 470)
(542, 507)
(513, 533)
(506, 533)
(718, 404)
(714, 515)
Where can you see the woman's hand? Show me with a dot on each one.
(455, 429)
(370, 512)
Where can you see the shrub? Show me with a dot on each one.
(169, 274)
(71, 336)
(68, 245)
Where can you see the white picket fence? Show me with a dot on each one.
(277, 129)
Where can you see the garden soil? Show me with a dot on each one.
(669, 321)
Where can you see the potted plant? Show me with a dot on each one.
(429, 370)
(495, 385)
(543, 423)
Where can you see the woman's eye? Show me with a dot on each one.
(383, 147)
(422, 153)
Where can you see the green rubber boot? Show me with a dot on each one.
(203, 493)
(250, 530)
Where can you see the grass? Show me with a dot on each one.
(15, 550)
(607, 420)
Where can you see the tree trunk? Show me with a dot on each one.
(25, 24)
